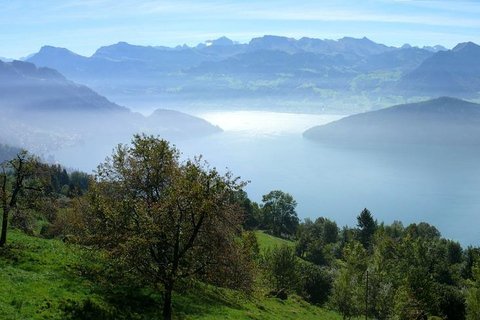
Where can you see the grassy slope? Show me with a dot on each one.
(41, 279)
(267, 241)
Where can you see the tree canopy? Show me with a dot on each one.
(164, 220)
(279, 213)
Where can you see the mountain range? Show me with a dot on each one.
(442, 121)
(342, 76)
(43, 100)
(455, 73)
(45, 111)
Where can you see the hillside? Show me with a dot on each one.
(8, 152)
(404, 59)
(440, 121)
(26, 88)
(43, 279)
(46, 111)
(453, 73)
(175, 122)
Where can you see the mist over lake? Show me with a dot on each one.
(436, 184)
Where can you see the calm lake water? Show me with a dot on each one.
(437, 185)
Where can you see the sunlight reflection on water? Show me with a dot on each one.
(266, 123)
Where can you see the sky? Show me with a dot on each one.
(84, 26)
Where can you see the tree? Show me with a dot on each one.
(348, 287)
(316, 240)
(316, 283)
(250, 210)
(79, 183)
(282, 266)
(162, 220)
(366, 227)
(279, 213)
(473, 294)
(346, 293)
(423, 231)
(13, 181)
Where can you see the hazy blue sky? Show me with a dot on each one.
(83, 26)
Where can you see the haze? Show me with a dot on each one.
(247, 85)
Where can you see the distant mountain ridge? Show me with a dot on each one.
(341, 76)
(8, 152)
(31, 89)
(44, 111)
(455, 72)
(440, 121)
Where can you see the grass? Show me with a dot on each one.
(266, 241)
(45, 279)
(228, 304)
(27, 272)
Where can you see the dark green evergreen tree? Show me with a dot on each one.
(366, 227)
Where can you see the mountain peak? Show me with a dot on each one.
(466, 46)
(31, 70)
(123, 44)
(56, 50)
(222, 41)
(352, 39)
(24, 67)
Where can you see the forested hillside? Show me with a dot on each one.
(443, 121)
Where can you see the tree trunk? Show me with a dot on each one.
(3, 237)
(167, 306)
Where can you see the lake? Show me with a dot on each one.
(437, 185)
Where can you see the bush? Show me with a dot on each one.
(281, 265)
(317, 283)
(452, 302)
(23, 221)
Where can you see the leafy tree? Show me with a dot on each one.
(329, 230)
(451, 302)
(473, 294)
(471, 254)
(279, 213)
(348, 289)
(14, 179)
(395, 230)
(305, 237)
(161, 220)
(250, 209)
(282, 267)
(366, 227)
(79, 182)
(316, 239)
(316, 281)
(423, 230)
